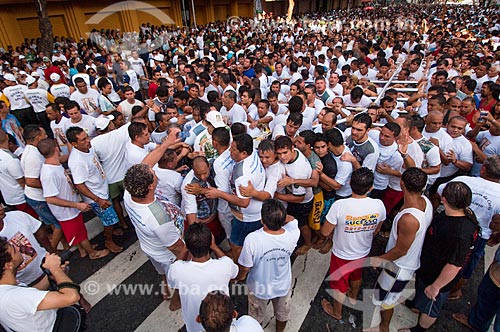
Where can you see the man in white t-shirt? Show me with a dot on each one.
(38, 99)
(202, 273)
(109, 148)
(24, 231)
(137, 65)
(31, 163)
(125, 107)
(58, 125)
(431, 163)
(169, 178)
(77, 119)
(63, 200)
(222, 167)
(265, 258)
(459, 156)
(30, 309)
(58, 88)
(139, 145)
(88, 99)
(159, 224)
(246, 211)
(90, 180)
(14, 95)
(354, 222)
(217, 314)
(12, 178)
(231, 111)
(435, 133)
(298, 196)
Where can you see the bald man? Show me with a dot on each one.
(198, 207)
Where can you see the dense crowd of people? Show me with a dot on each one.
(232, 147)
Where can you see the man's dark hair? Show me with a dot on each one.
(295, 104)
(244, 143)
(182, 95)
(31, 131)
(273, 214)
(334, 137)
(212, 96)
(321, 137)
(309, 137)
(238, 129)
(79, 80)
(221, 136)
(295, 118)
(46, 147)
(162, 91)
(198, 239)
(362, 180)
(363, 118)
(128, 88)
(138, 179)
(103, 83)
(492, 166)
(72, 132)
(266, 145)
(283, 142)
(216, 312)
(231, 94)
(418, 123)
(457, 194)
(136, 129)
(356, 93)
(414, 180)
(394, 128)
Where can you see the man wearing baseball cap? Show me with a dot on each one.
(58, 88)
(14, 96)
(203, 141)
(39, 99)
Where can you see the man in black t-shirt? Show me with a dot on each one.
(446, 249)
(327, 170)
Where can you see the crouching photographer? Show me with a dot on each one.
(30, 309)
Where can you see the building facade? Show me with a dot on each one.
(18, 19)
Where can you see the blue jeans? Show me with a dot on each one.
(475, 257)
(43, 211)
(487, 306)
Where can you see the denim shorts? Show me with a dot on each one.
(426, 305)
(108, 216)
(240, 230)
(42, 209)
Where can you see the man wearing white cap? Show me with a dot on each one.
(14, 96)
(58, 88)
(39, 98)
(42, 84)
(203, 141)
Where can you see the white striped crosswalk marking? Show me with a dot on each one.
(307, 271)
(162, 320)
(113, 273)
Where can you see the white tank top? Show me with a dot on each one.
(411, 261)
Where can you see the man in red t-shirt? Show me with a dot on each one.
(52, 69)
